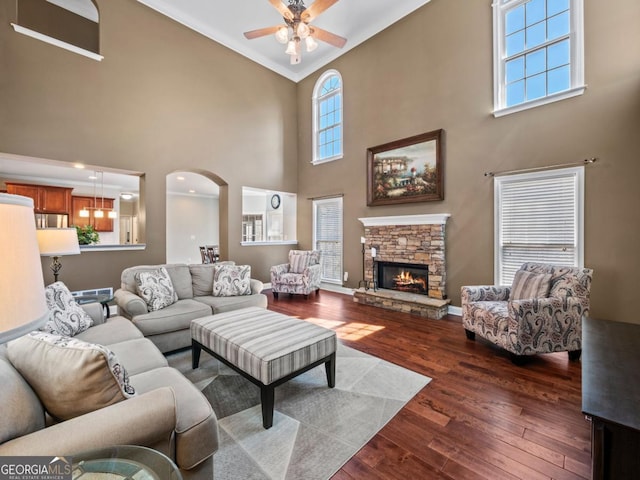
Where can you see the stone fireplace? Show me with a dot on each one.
(414, 245)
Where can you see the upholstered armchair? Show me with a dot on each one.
(301, 275)
(541, 312)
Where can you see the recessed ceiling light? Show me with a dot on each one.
(191, 190)
(179, 178)
(92, 177)
(78, 165)
(126, 196)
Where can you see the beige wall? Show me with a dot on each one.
(434, 70)
(163, 99)
(166, 99)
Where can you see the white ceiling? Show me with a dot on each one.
(225, 22)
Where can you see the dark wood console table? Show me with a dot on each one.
(611, 396)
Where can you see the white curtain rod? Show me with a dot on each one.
(586, 161)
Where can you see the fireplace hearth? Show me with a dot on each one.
(403, 277)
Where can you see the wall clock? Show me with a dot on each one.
(275, 201)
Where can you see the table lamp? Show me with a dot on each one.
(56, 242)
(22, 300)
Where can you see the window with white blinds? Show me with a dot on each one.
(327, 237)
(538, 218)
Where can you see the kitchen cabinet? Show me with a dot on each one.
(104, 224)
(46, 199)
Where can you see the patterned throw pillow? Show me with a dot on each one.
(66, 317)
(299, 263)
(231, 280)
(156, 289)
(71, 377)
(530, 285)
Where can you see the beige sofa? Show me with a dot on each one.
(168, 413)
(168, 328)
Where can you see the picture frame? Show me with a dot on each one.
(406, 171)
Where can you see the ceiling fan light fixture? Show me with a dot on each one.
(291, 47)
(282, 34)
(303, 30)
(295, 59)
(311, 44)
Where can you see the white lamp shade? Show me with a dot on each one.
(22, 300)
(98, 214)
(282, 34)
(56, 242)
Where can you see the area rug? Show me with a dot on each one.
(315, 430)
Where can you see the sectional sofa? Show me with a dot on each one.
(167, 412)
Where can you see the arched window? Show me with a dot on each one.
(327, 118)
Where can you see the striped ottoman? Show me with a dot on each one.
(267, 348)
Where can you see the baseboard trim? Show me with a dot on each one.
(454, 310)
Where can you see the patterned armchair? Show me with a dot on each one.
(540, 313)
(300, 275)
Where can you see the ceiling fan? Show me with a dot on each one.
(297, 19)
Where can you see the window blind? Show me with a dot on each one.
(538, 220)
(328, 237)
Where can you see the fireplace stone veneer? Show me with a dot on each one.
(412, 239)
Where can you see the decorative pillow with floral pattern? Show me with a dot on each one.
(156, 288)
(231, 280)
(66, 317)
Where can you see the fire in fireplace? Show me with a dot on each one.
(404, 277)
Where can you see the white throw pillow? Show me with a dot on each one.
(156, 288)
(231, 280)
(71, 377)
(66, 317)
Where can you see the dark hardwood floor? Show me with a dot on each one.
(481, 417)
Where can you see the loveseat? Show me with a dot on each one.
(168, 327)
(167, 412)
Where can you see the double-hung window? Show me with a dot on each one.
(327, 237)
(538, 53)
(538, 218)
(327, 118)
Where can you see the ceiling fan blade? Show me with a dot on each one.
(261, 32)
(282, 8)
(316, 9)
(328, 37)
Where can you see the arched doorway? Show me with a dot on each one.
(193, 214)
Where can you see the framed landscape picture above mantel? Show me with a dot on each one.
(406, 171)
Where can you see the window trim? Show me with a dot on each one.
(577, 172)
(316, 203)
(576, 39)
(316, 120)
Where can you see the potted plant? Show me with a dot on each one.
(87, 235)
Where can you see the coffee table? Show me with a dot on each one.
(124, 462)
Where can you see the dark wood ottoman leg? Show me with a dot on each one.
(330, 367)
(195, 354)
(267, 399)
